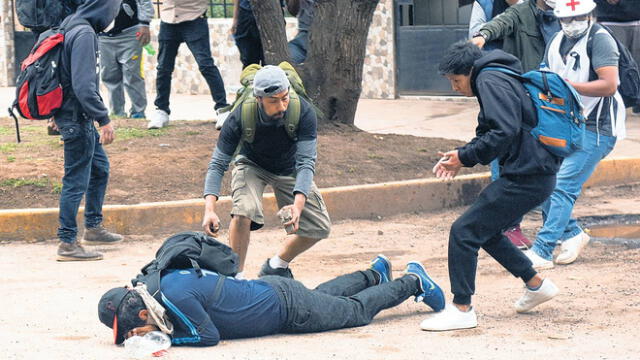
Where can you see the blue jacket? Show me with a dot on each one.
(243, 309)
(79, 64)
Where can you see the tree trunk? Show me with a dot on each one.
(332, 72)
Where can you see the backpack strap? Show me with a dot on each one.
(292, 118)
(248, 119)
(219, 286)
(196, 267)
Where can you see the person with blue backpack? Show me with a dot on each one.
(593, 70)
(507, 117)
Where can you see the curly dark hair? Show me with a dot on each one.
(130, 307)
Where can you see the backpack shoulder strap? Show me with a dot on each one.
(292, 119)
(248, 119)
(219, 286)
(504, 70)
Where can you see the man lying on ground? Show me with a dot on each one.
(201, 313)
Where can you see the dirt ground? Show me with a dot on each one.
(49, 308)
(171, 163)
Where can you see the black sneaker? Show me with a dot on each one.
(74, 252)
(636, 109)
(100, 236)
(268, 270)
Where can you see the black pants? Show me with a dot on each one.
(248, 40)
(498, 205)
(196, 34)
(346, 301)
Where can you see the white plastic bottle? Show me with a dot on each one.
(152, 344)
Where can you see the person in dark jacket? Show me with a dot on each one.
(527, 179)
(193, 314)
(623, 18)
(273, 158)
(86, 166)
(524, 28)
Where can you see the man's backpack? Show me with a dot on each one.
(561, 122)
(249, 112)
(628, 69)
(184, 250)
(41, 15)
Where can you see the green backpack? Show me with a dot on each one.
(249, 112)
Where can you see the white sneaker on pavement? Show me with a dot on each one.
(158, 119)
(222, 117)
(570, 249)
(533, 298)
(539, 263)
(451, 318)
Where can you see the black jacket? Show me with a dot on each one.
(623, 11)
(505, 113)
(79, 64)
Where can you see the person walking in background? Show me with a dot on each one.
(623, 18)
(524, 28)
(594, 74)
(185, 21)
(121, 57)
(304, 10)
(86, 166)
(485, 10)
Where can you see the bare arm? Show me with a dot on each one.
(606, 85)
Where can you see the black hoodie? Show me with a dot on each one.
(79, 64)
(505, 108)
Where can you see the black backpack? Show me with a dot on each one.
(628, 70)
(40, 15)
(185, 250)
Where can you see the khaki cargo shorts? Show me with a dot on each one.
(247, 186)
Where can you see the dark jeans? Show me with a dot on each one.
(248, 40)
(86, 173)
(498, 205)
(196, 34)
(298, 47)
(346, 301)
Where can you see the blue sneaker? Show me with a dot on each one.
(430, 293)
(138, 115)
(382, 266)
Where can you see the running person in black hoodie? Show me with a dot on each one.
(86, 166)
(526, 180)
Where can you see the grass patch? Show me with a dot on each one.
(56, 187)
(11, 159)
(8, 148)
(375, 157)
(135, 133)
(192, 133)
(5, 130)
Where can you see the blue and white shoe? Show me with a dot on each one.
(430, 293)
(382, 266)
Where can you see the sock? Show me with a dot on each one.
(376, 277)
(275, 263)
(240, 276)
(535, 288)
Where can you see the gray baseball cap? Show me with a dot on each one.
(270, 80)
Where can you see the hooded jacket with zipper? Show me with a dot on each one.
(623, 11)
(79, 63)
(506, 114)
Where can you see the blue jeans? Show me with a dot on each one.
(196, 34)
(86, 174)
(346, 301)
(298, 47)
(556, 211)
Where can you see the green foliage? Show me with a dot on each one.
(8, 148)
(44, 182)
(136, 133)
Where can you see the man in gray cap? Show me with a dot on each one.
(275, 136)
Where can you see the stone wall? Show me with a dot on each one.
(6, 43)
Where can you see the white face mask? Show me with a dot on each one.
(575, 28)
(551, 3)
(110, 26)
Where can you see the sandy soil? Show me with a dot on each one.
(49, 308)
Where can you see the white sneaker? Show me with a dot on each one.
(571, 248)
(158, 119)
(539, 263)
(451, 318)
(532, 298)
(222, 117)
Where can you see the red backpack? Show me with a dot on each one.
(39, 90)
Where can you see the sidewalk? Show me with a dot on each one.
(409, 116)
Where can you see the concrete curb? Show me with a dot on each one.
(346, 202)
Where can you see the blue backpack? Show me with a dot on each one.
(561, 123)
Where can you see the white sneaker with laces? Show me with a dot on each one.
(158, 119)
(222, 117)
(451, 318)
(532, 298)
(539, 263)
(570, 249)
